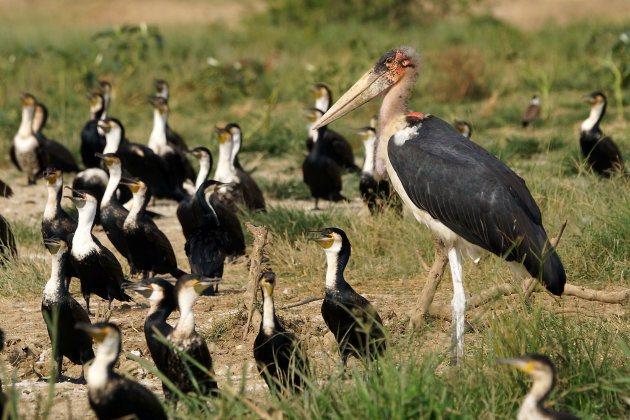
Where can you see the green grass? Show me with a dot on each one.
(258, 75)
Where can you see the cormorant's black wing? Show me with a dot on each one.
(13, 158)
(58, 155)
(472, 193)
(609, 149)
(5, 190)
(251, 191)
(341, 149)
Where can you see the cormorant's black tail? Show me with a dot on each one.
(177, 273)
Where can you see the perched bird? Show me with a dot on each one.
(91, 140)
(320, 172)
(93, 180)
(174, 139)
(7, 241)
(187, 340)
(161, 296)
(178, 167)
(252, 194)
(138, 160)
(105, 90)
(531, 112)
(541, 370)
(470, 200)
(338, 148)
(32, 152)
(323, 97)
(96, 266)
(149, 249)
(601, 153)
(376, 194)
(463, 127)
(61, 312)
(40, 117)
(350, 317)
(209, 243)
(111, 395)
(189, 213)
(5, 190)
(278, 356)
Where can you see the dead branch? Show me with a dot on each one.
(422, 261)
(554, 241)
(303, 302)
(434, 277)
(620, 297)
(256, 268)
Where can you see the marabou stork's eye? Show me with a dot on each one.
(389, 61)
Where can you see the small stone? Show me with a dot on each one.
(288, 291)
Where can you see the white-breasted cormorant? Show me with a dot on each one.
(541, 370)
(178, 166)
(91, 140)
(105, 90)
(279, 357)
(601, 153)
(174, 139)
(375, 193)
(531, 112)
(463, 127)
(96, 266)
(187, 340)
(323, 97)
(139, 161)
(32, 152)
(161, 296)
(188, 211)
(338, 148)
(252, 194)
(61, 311)
(469, 199)
(149, 249)
(350, 317)
(320, 172)
(111, 395)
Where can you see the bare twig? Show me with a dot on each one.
(620, 297)
(303, 302)
(422, 261)
(434, 277)
(554, 241)
(256, 268)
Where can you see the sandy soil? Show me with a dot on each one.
(27, 348)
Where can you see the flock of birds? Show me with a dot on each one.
(470, 200)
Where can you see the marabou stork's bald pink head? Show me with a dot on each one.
(399, 64)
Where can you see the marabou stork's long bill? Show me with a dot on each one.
(467, 197)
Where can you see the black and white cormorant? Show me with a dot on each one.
(463, 127)
(320, 172)
(323, 97)
(600, 151)
(105, 90)
(208, 244)
(139, 161)
(338, 148)
(111, 395)
(161, 296)
(7, 241)
(91, 140)
(242, 189)
(541, 370)
(40, 118)
(96, 266)
(531, 112)
(174, 139)
(61, 311)
(350, 317)
(188, 211)
(179, 168)
(149, 249)
(376, 194)
(32, 152)
(187, 340)
(469, 199)
(280, 360)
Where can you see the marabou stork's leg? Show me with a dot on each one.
(458, 304)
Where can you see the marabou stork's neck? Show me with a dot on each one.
(26, 125)
(53, 203)
(115, 175)
(595, 116)
(157, 139)
(394, 109)
(337, 262)
(269, 315)
(204, 170)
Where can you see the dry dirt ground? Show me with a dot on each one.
(220, 319)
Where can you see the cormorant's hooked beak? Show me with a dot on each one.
(107, 159)
(77, 197)
(369, 86)
(97, 333)
(104, 125)
(143, 289)
(27, 99)
(203, 283)
(133, 185)
(50, 175)
(589, 99)
(268, 281)
(222, 133)
(53, 245)
(524, 365)
(325, 241)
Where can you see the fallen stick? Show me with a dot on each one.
(419, 314)
(303, 302)
(256, 268)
